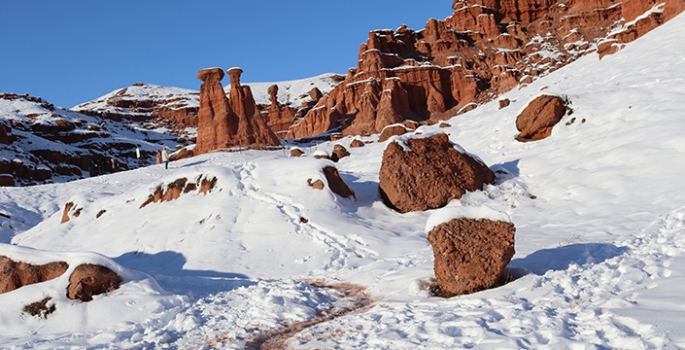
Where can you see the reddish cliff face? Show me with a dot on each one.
(229, 122)
(485, 48)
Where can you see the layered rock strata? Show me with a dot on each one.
(483, 49)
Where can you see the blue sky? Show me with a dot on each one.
(69, 52)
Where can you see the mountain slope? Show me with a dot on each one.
(600, 225)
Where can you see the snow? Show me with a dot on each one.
(294, 92)
(600, 235)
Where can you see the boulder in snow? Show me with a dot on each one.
(426, 173)
(14, 275)
(339, 152)
(392, 130)
(88, 280)
(335, 183)
(538, 119)
(471, 254)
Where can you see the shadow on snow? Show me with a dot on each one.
(167, 268)
(561, 258)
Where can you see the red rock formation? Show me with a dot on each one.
(233, 122)
(539, 117)
(14, 275)
(430, 175)
(174, 189)
(471, 255)
(65, 213)
(4, 139)
(216, 120)
(279, 117)
(88, 280)
(484, 48)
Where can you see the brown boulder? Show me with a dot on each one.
(4, 139)
(357, 143)
(296, 152)
(318, 184)
(14, 275)
(471, 255)
(335, 183)
(392, 130)
(88, 280)
(539, 117)
(339, 152)
(429, 175)
(6, 180)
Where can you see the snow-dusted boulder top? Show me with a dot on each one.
(423, 173)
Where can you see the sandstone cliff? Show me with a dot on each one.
(483, 49)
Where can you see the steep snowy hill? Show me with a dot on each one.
(597, 206)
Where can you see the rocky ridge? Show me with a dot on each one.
(483, 49)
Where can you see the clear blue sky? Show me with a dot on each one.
(69, 52)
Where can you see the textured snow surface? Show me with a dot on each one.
(598, 208)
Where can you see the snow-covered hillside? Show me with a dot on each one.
(294, 92)
(600, 241)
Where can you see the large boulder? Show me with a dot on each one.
(14, 275)
(539, 117)
(471, 254)
(426, 173)
(88, 280)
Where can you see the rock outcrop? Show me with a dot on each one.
(392, 130)
(278, 116)
(229, 122)
(14, 275)
(639, 17)
(429, 174)
(339, 152)
(88, 280)
(335, 183)
(471, 255)
(175, 189)
(483, 49)
(539, 117)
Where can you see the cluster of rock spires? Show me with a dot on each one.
(235, 121)
(483, 49)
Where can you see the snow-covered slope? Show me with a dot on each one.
(598, 209)
(137, 99)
